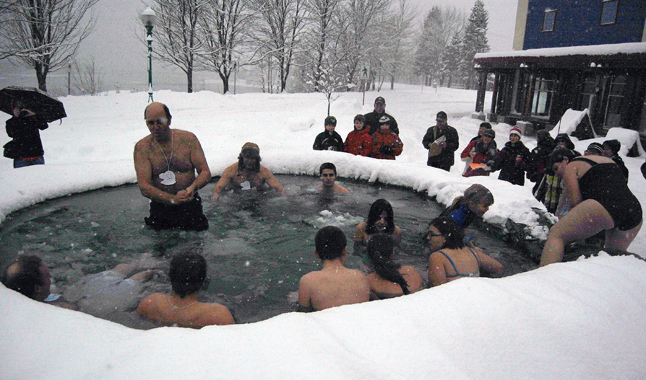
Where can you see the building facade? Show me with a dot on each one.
(570, 54)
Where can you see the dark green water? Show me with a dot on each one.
(257, 246)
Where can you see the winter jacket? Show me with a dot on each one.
(539, 160)
(372, 122)
(445, 158)
(26, 136)
(484, 155)
(358, 143)
(511, 161)
(328, 141)
(386, 145)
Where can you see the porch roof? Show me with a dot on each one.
(621, 56)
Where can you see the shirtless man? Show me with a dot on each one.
(247, 173)
(166, 163)
(327, 171)
(334, 285)
(187, 275)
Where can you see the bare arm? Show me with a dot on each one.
(272, 181)
(489, 264)
(227, 177)
(304, 298)
(436, 270)
(360, 233)
(198, 159)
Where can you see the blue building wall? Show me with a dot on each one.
(578, 23)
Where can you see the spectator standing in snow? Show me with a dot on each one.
(329, 139)
(611, 150)
(385, 143)
(358, 142)
(480, 151)
(442, 141)
(512, 159)
(539, 162)
(372, 118)
(24, 128)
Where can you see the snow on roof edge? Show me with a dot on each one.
(610, 49)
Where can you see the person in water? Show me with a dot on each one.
(389, 279)
(247, 173)
(328, 185)
(166, 163)
(598, 199)
(99, 294)
(450, 258)
(380, 220)
(333, 285)
(187, 275)
(474, 203)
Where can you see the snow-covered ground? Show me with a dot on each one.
(581, 319)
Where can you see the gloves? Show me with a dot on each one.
(386, 150)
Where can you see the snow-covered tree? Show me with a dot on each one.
(176, 30)
(278, 32)
(475, 38)
(44, 34)
(225, 29)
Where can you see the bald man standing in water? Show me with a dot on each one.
(166, 163)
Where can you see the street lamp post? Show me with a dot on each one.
(148, 19)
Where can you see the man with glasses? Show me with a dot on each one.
(166, 163)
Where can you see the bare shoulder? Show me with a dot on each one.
(265, 172)
(362, 226)
(149, 303)
(230, 171)
(216, 314)
(143, 144)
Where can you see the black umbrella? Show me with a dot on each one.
(40, 102)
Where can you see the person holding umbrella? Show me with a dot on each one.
(24, 128)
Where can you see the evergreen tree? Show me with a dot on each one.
(475, 39)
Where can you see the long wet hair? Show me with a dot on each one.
(475, 193)
(377, 208)
(380, 253)
(451, 231)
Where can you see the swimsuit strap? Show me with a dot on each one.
(586, 160)
(457, 272)
(477, 258)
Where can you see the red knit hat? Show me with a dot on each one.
(515, 131)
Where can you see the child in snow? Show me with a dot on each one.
(480, 151)
(512, 159)
(329, 139)
(358, 141)
(385, 143)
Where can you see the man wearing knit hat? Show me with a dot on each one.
(166, 162)
(372, 118)
(513, 159)
(247, 173)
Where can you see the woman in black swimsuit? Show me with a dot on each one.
(599, 199)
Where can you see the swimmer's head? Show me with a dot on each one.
(29, 276)
(330, 242)
(559, 156)
(187, 273)
(251, 152)
(381, 212)
(327, 165)
(478, 198)
(157, 104)
(450, 230)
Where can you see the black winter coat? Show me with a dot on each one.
(328, 141)
(25, 132)
(372, 121)
(512, 170)
(445, 158)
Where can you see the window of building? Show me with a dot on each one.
(609, 12)
(615, 101)
(588, 92)
(544, 89)
(549, 19)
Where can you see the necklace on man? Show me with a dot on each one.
(179, 307)
(167, 177)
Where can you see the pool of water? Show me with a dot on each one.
(257, 246)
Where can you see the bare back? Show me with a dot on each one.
(333, 286)
(158, 309)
